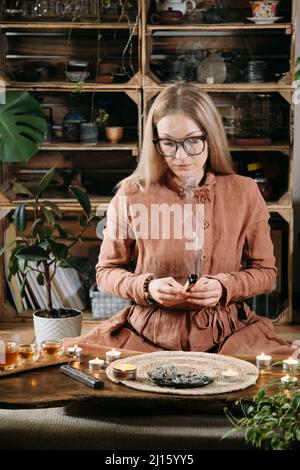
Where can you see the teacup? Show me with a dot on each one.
(264, 9)
(51, 349)
(28, 353)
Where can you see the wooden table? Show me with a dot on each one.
(48, 387)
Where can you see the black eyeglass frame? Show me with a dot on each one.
(181, 142)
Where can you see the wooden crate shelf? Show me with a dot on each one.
(144, 86)
(68, 25)
(151, 86)
(274, 147)
(287, 27)
(105, 146)
(71, 87)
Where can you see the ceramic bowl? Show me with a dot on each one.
(77, 76)
(264, 9)
(114, 134)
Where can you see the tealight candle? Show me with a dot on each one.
(74, 351)
(289, 363)
(96, 364)
(230, 375)
(124, 371)
(263, 360)
(112, 355)
(288, 379)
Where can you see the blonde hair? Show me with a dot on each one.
(186, 99)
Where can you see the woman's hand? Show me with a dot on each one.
(167, 292)
(206, 292)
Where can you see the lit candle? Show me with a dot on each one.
(288, 379)
(74, 351)
(124, 371)
(230, 375)
(96, 364)
(210, 80)
(263, 360)
(112, 355)
(289, 363)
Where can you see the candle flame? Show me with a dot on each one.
(229, 371)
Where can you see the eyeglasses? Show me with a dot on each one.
(191, 145)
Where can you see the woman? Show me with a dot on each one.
(184, 211)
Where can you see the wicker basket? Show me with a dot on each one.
(105, 305)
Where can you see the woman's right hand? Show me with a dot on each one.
(167, 291)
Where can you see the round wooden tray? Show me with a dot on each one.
(201, 363)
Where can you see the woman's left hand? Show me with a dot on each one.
(206, 292)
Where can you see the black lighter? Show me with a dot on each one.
(191, 280)
(86, 379)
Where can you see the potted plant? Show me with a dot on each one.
(270, 422)
(38, 249)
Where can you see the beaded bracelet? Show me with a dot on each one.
(147, 297)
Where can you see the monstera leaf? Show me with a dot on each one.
(21, 127)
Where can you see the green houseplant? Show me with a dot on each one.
(37, 248)
(270, 422)
(22, 127)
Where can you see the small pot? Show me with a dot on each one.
(71, 126)
(167, 17)
(88, 133)
(114, 134)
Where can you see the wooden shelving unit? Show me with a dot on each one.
(160, 41)
(149, 40)
(67, 25)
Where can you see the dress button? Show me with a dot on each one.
(204, 257)
(205, 224)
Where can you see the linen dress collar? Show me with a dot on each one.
(202, 191)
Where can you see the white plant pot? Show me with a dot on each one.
(56, 328)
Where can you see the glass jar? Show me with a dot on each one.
(256, 71)
(262, 115)
(232, 121)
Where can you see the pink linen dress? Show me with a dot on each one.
(232, 222)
